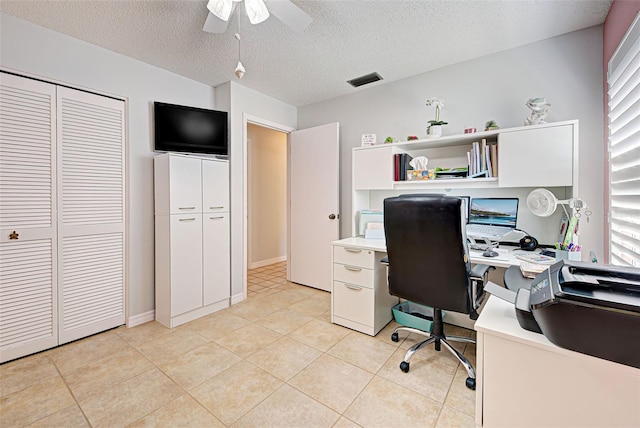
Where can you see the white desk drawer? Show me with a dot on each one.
(354, 256)
(353, 275)
(353, 303)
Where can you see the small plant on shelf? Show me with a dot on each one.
(388, 140)
(412, 137)
(435, 126)
(491, 125)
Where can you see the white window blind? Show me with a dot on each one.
(623, 79)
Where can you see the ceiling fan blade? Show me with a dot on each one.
(290, 14)
(213, 24)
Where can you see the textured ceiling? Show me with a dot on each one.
(346, 39)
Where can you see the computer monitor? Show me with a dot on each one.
(494, 211)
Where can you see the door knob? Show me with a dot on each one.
(332, 216)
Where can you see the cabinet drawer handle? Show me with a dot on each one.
(353, 250)
(353, 287)
(353, 269)
(216, 218)
(186, 208)
(186, 219)
(216, 208)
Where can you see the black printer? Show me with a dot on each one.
(590, 308)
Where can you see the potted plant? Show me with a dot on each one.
(435, 126)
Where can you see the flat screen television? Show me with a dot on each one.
(190, 129)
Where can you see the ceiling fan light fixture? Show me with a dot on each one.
(221, 8)
(240, 70)
(256, 11)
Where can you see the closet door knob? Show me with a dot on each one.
(332, 216)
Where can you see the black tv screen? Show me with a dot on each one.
(190, 129)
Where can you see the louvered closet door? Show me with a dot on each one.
(28, 312)
(91, 213)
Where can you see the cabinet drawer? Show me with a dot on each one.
(353, 275)
(353, 303)
(354, 256)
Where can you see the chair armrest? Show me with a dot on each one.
(479, 271)
(385, 260)
(478, 277)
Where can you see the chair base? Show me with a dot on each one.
(438, 338)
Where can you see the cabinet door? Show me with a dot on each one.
(91, 213)
(215, 186)
(536, 157)
(216, 257)
(28, 293)
(186, 263)
(185, 185)
(373, 168)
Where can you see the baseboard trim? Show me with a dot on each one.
(135, 320)
(237, 298)
(261, 263)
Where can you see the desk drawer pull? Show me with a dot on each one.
(353, 269)
(186, 208)
(187, 219)
(353, 287)
(353, 250)
(216, 218)
(216, 208)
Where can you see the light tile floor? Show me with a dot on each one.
(274, 360)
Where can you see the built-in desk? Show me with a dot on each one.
(524, 380)
(360, 297)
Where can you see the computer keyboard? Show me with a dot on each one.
(489, 231)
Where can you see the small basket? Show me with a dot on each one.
(414, 315)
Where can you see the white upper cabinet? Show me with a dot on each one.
(373, 168)
(215, 186)
(184, 184)
(538, 157)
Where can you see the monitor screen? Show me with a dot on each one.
(190, 129)
(494, 211)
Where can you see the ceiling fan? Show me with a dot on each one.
(257, 11)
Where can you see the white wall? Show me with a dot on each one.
(267, 200)
(567, 70)
(240, 102)
(35, 50)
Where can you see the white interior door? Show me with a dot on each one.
(314, 204)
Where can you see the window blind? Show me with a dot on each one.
(623, 80)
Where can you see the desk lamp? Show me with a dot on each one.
(543, 203)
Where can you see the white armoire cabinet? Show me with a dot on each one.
(62, 215)
(192, 237)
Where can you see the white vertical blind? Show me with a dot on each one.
(623, 79)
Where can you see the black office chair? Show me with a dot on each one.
(429, 264)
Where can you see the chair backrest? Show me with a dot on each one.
(427, 250)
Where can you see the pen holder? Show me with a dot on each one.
(575, 256)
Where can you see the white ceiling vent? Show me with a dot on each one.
(364, 80)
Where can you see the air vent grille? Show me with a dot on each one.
(364, 80)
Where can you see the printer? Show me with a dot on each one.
(590, 308)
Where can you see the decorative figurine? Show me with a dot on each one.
(539, 110)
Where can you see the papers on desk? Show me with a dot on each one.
(530, 270)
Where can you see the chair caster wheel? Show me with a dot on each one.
(394, 337)
(404, 366)
(471, 383)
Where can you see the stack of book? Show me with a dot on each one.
(401, 166)
(483, 159)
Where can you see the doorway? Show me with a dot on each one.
(266, 198)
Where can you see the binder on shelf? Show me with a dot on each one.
(494, 159)
(396, 167)
(487, 156)
(404, 166)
